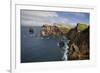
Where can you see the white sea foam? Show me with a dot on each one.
(65, 50)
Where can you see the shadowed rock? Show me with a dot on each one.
(79, 44)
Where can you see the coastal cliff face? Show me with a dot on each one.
(79, 44)
(53, 30)
(79, 39)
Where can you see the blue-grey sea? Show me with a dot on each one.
(37, 49)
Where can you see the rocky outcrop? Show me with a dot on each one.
(79, 39)
(79, 44)
(52, 30)
(31, 30)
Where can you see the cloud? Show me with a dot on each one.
(38, 18)
(32, 13)
(60, 20)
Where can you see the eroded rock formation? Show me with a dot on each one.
(79, 44)
(52, 30)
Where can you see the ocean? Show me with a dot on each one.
(37, 49)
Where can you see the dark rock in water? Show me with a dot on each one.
(61, 44)
(31, 31)
(79, 45)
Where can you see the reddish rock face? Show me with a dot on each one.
(48, 30)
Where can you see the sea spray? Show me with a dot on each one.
(64, 49)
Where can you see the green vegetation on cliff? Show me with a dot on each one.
(81, 27)
(79, 42)
(63, 28)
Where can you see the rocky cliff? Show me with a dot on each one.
(53, 30)
(79, 44)
(79, 39)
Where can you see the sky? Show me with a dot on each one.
(38, 18)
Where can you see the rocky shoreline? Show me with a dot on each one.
(79, 44)
(79, 39)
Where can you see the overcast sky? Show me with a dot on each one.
(38, 18)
